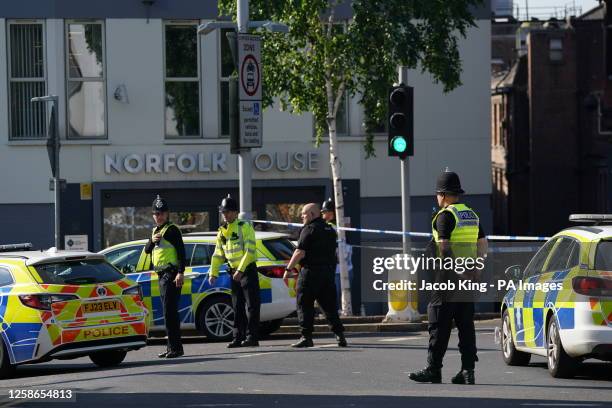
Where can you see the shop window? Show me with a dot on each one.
(181, 80)
(285, 213)
(86, 79)
(123, 224)
(27, 79)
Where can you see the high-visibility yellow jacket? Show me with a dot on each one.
(236, 245)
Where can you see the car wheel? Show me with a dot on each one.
(216, 318)
(6, 368)
(108, 358)
(511, 355)
(269, 327)
(560, 365)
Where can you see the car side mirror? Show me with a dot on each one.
(514, 272)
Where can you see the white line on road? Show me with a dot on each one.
(402, 338)
(257, 354)
(326, 345)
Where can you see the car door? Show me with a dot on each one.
(563, 257)
(523, 299)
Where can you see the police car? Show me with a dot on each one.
(573, 322)
(64, 305)
(205, 308)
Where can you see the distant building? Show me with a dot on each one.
(551, 133)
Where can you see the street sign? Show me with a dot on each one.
(76, 242)
(86, 191)
(251, 120)
(249, 67)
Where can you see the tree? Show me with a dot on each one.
(325, 57)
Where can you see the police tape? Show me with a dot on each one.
(408, 233)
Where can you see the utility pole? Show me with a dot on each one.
(53, 148)
(245, 167)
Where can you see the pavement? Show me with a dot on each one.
(372, 371)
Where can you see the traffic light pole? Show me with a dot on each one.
(403, 304)
(403, 79)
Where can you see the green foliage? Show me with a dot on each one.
(359, 56)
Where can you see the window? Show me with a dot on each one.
(556, 49)
(280, 248)
(5, 277)
(182, 80)
(603, 256)
(202, 254)
(86, 83)
(226, 70)
(27, 79)
(125, 259)
(83, 272)
(537, 263)
(563, 257)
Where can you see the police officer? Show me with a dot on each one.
(328, 212)
(236, 245)
(316, 252)
(456, 233)
(168, 256)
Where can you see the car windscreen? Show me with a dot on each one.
(603, 256)
(78, 272)
(280, 248)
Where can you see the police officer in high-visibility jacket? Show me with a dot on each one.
(236, 246)
(457, 233)
(168, 256)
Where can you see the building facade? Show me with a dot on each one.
(143, 110)
(550, 134)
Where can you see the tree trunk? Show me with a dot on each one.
(345, 284)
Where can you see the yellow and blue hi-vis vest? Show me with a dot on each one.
(465, 235)
(236, 244)
(164, 254)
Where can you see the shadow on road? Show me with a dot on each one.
(92, 400)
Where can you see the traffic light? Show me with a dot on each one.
(401, 121)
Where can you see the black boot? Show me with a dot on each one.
(427, 375)
(464, 377)
(175, 353)
(164, 354)
(250, 342)
(304, 342)
(341, 340)
(235, 343)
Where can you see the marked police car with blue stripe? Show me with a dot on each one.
(573, 321)
(205, 308)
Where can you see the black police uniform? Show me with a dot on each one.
(169, 293)
(444, 307)
(316, 280)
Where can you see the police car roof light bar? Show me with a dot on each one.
(595, 219)
(26, 246)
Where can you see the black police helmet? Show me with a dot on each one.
(228, 204)
(328, 205)
(160, 205)
(448, 182)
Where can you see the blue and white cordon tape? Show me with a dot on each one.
(411, 234)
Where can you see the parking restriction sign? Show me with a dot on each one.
(249, 85)
(249, 67)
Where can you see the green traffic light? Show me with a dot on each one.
(399, 144)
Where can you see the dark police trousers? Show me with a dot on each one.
(246, 300)
(317, 283)
(441, 316)
(170, 295)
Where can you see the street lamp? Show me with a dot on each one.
(53, 147)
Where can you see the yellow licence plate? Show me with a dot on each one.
(98, 307)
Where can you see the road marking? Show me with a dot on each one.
(402, 338)
(356, 372)
(301, 372)
(326, 345)
(257, 354)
